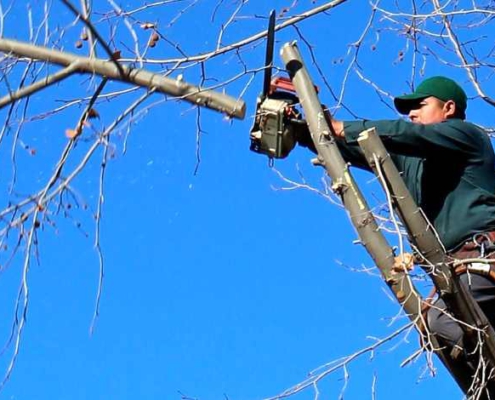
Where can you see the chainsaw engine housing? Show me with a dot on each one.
(273, 133)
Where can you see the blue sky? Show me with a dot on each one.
(219, 284)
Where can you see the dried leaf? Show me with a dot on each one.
(117, 54)
(92, 113)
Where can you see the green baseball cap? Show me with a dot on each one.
(437, 86)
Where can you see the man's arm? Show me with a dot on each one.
(351, 152)
(407, 138)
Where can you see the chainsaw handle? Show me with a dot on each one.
(284, 83)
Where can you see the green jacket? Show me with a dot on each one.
(449, 168)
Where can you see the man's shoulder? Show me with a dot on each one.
(463, 128)
(462, 124)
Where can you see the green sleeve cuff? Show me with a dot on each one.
(352, 129)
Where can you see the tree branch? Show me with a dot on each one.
(95, 33)
(39, 85)
(260, 35)
(140, 77)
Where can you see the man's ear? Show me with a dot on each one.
(449, 108)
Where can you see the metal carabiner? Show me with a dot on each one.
(479, 239)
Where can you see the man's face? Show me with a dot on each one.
(431, 111)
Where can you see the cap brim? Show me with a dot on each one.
(406, 103)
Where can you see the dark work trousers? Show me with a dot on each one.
(483, 291)
(449, 331)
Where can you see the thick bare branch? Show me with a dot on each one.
(174, 87)
(345, 186)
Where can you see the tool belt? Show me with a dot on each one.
(481, 246)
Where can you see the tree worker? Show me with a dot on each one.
(448, 165)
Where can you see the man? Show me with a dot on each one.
(448, 166)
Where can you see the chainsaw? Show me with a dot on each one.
(277, 117)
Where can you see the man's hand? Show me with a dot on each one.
(303, 137)
(337, 127)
